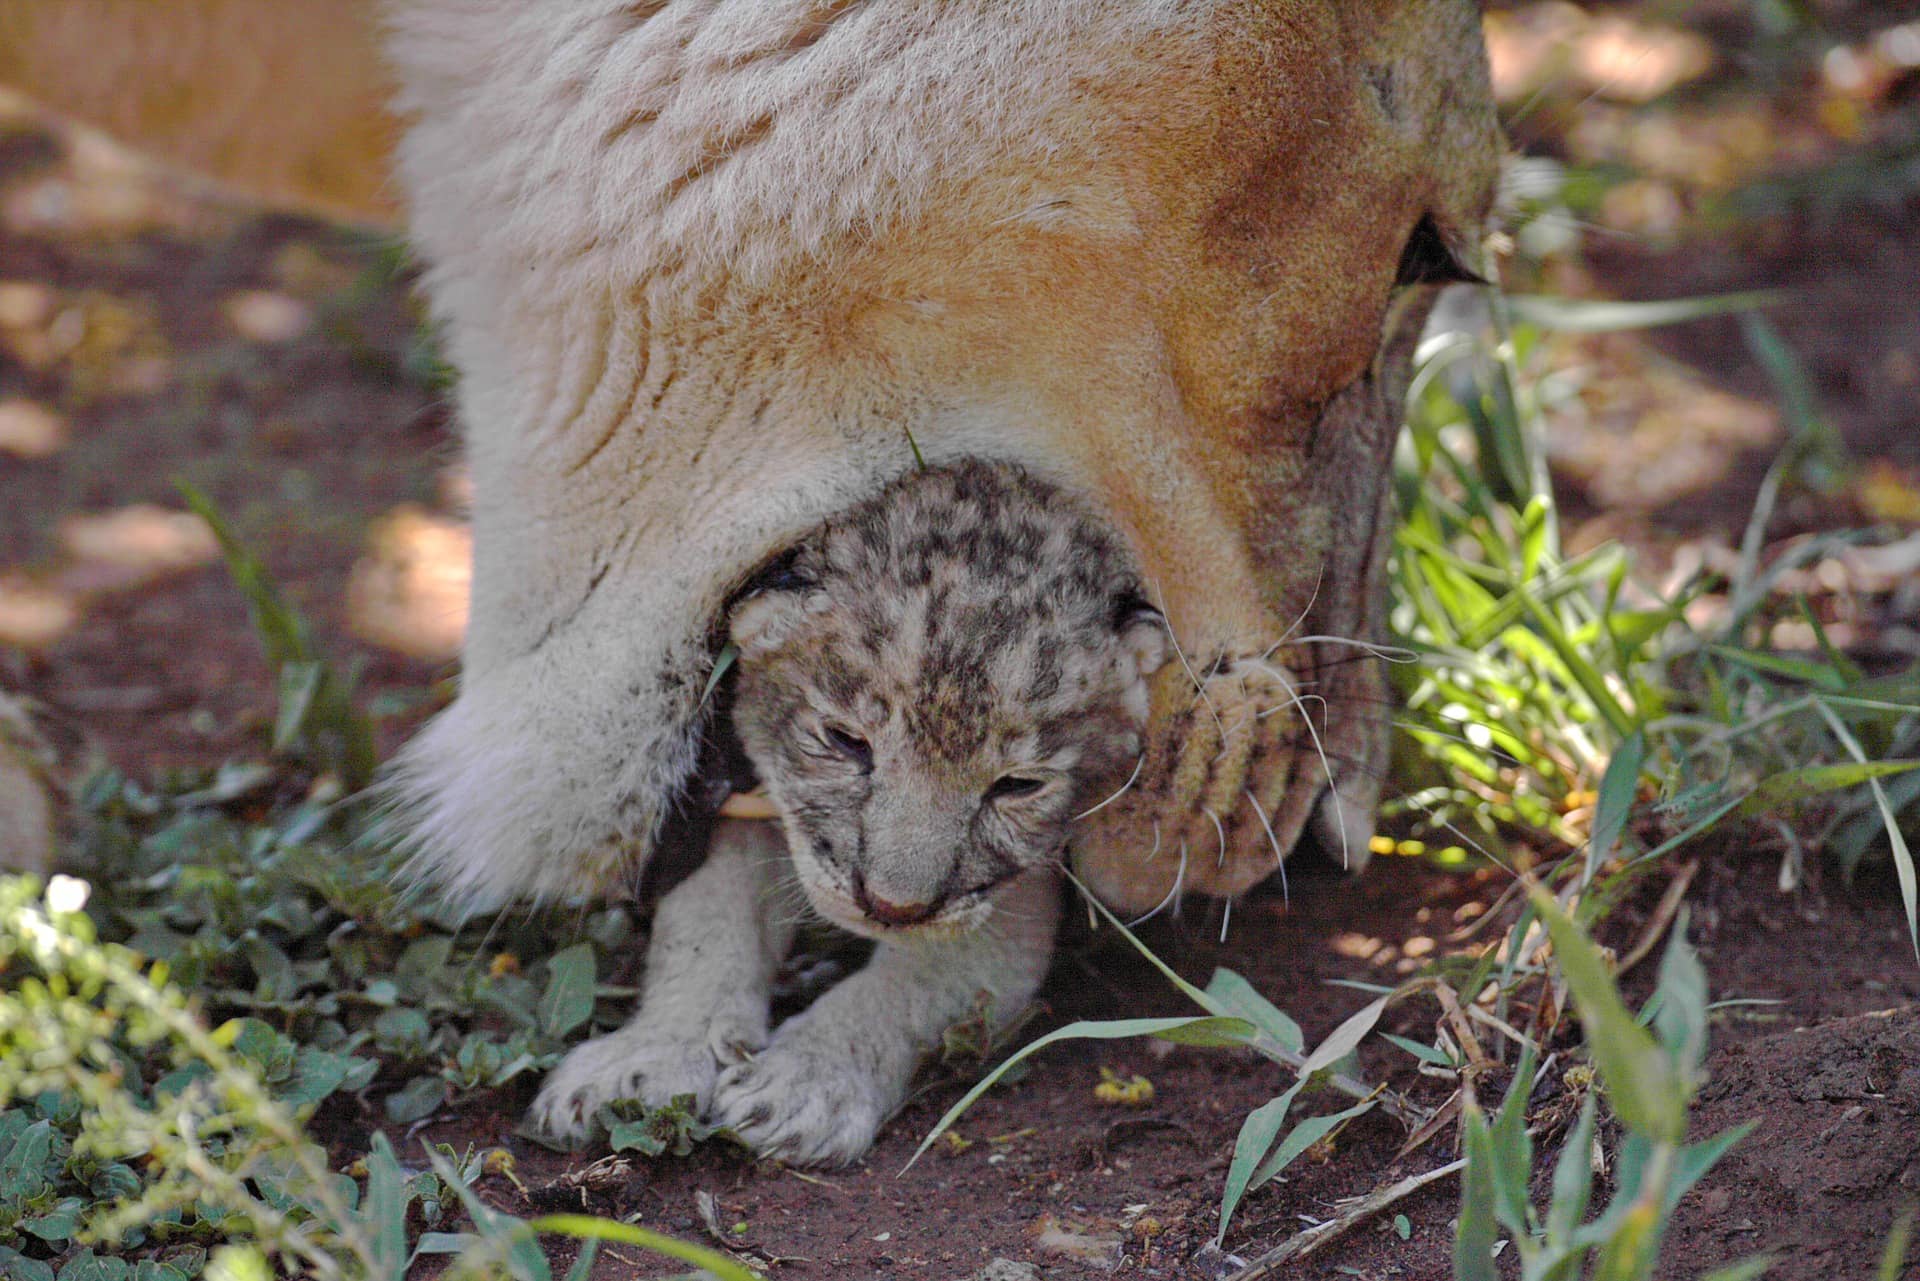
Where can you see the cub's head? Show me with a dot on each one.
(935, 684)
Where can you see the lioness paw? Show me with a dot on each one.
(633, 1063)
(802, 1103)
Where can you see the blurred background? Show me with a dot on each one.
(156, 328)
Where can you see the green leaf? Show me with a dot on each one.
(1681, 1017)
(1572, 1178)
(1344, 1039)
(1895, 1255)
(1642, 1082)
(62, 1223)
(582, 1267)
(416, 1100)
(522, 1252)
(15, 1266)
(388, 1195)
(1619, 786)
(1473, 1238)
(402, 1031)
(1698, 1158)
(1425, 1053)
(1303, 1136)
(300, 682)
(445, 1242)
(88, 1266)
(567, 1001)
(1237, 997)
(30, 1165)
(316, 1075)
(1512, 1151)
(1192, 1030)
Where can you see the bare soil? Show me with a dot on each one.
(125, 322)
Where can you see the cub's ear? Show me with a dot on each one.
(1143, 632)
(766, 611)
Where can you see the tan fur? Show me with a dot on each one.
(708, 266)
(284, 99)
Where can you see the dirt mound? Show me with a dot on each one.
(1834, 1160)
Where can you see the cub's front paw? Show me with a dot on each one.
(632, 1064)
(802, 1102)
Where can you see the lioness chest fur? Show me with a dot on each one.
(932, 688)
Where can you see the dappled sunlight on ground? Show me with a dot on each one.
(1637, 432)
(409, 592)
(28, 429)
(100, 553)
(267, 316)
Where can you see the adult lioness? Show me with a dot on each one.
(714, 270)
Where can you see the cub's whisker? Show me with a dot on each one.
(1368, 649)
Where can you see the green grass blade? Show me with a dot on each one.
(1256, 1137)
(1572, 1178)
(1587, 316)
(586, 1227)
(1746, 1270)
(1237, 997)
(1902, 856)
(1473, 1237)
(1788, 786)
(1643, 1085)
(1200, 1029)
(1342, 1040)
(386, 1206)
(1303, 1136)
(1895, 1256)
(1204, 1000)
(1619, 786)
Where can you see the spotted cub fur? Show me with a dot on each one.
(932, 688)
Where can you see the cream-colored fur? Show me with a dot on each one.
(817, 1091)
(708, 265)
(714, 270)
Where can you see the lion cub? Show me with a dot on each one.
(931, 688)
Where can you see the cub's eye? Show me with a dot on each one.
(845, 742)
(1013, 786)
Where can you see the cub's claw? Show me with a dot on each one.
(633, 1063)
(801, 1106)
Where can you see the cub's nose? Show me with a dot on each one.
(895, 914)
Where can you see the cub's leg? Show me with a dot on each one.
(717, 940)
(831, 1076)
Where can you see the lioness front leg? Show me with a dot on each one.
(821, 1089)
(717, 940)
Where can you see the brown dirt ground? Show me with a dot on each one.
(118, 296)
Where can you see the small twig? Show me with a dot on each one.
(1662, 917)
(1444, 1116)
(1302, 1244)
(1478, 1064)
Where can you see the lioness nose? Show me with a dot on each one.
(886, 913)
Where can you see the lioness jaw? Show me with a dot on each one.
(714, 269)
